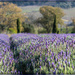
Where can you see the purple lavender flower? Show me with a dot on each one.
(65, 62)
(64, 67)
(49, 63)
(72, 66)
(52, 64)
(69, 64)
(40, 67)
(18, 72)
(45, 59)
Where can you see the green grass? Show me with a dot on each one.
(69, 13)
(69, 29)
(26, 9)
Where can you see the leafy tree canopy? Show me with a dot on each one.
(9, 12)
(48, 13)
(73, 20)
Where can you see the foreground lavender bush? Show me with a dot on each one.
(6, 56)
(44, 53)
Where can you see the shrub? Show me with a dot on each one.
(42, 31)
(3, 28)
(72, 32)
(28, 28)
(12, 30)
(58, 31)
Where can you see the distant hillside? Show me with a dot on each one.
(70, 13)
(37, 0)
(55, 4)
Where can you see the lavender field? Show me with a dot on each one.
(37, 53)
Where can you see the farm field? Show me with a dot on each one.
(37, 53)
(29, 8)
(37, 38)
(69, 13)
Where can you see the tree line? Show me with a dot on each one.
(65, 4)
(11, 19)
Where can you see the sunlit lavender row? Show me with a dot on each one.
(38, 54)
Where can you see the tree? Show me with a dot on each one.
(48, 13)
(9, 12)
(73, 20)
(28, 28)
(18, 25)
(54, 25)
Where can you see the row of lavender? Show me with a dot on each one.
(43, 53)
(7, 64)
